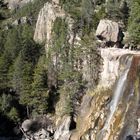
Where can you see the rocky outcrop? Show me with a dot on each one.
(62, 132)
(43, 34)
(101, 114)
(34, 130)
(22, 20)
(109, 32)
(26, 125)
(15, 4)
(38, 128)
(45, 21)
(112, 61)
(110, 113)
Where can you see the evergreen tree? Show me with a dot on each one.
(22, 79)
(87, 12)
(11, 50)
(124, 9)
(39, 92)
(5, 103)
(113, 9)
(134, 21)
(14, 115)
(23, 71)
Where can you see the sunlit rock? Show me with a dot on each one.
(62, 132)
(26, 125)
(109, 32)
(45, 21)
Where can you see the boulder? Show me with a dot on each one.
(16, 22)
(109, 31)
(26, 125)
(22, 20)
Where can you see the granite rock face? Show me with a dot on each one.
(109, 32)
(103, 110)
(45, 21)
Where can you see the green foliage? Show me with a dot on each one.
(117, 10)
(69, 61)
(23, 71)
(93, 58)
(12, 43)
(13, 115)
(73, 7)
(22, 78)
(2, 41)
(100, 14)
(18, 59)
(60, 46)
(60, 34)
(39, 92)
(5, 103)
(7, 108)
(134, 22)
(31, 9)
(124, 8)
(85, 13)
(4, 12)
(16, 42)
(113, 10)
(87, 10)
(36, 80)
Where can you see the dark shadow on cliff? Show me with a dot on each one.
(53, 99)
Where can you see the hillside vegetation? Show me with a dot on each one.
(29, 84)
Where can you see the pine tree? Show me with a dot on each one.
(5, 103)
(11, 50)
(22, 79)
(113, 10)
(134, 22)
(14, 115)
(39, 92)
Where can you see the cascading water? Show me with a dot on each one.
(115, 100)
(103, 115)
(119, 90)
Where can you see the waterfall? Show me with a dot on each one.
(120, 88)
(118, 93)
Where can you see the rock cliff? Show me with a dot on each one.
(102, 113)
(110, 112)
(45, 21)
(63, 74)
(109, 32)
(44, 33)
